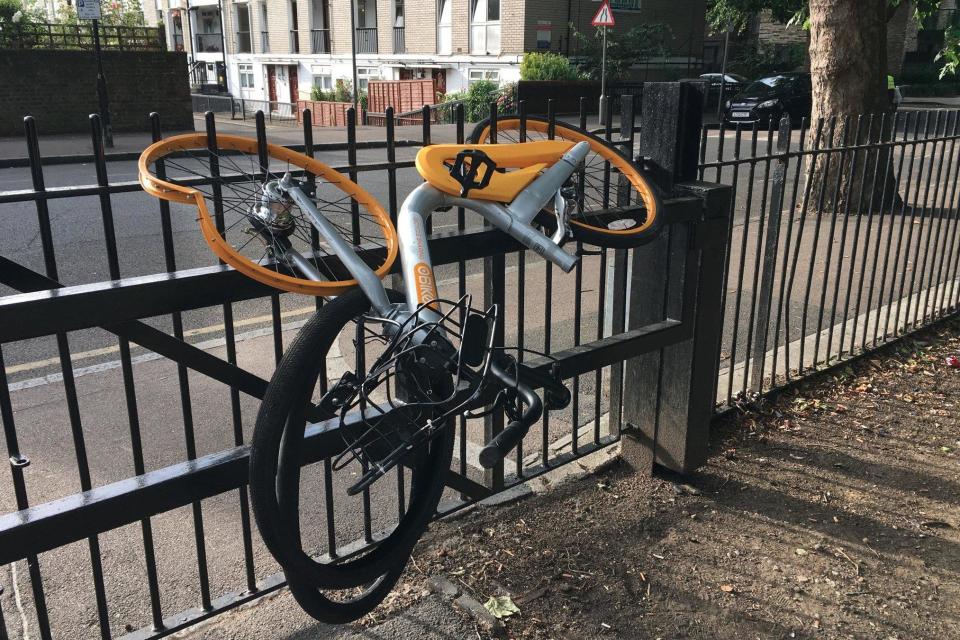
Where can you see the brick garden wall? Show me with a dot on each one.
(58, 88)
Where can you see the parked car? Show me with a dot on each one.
(731, 85)
(771, 98)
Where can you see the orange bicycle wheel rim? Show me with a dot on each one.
(623, 165)
(165, 189)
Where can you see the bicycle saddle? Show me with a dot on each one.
(501, 170)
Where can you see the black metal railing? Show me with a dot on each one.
(367, 40)
(320, 41)
(399, 43)
(141, 485)
(276, 113)
(821, 264)
(825, 264)
(264, 42)
(244, 43)
(209, 43)
(79, 36)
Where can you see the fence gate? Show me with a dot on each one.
(127, 511)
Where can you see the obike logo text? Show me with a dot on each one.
(426, 285)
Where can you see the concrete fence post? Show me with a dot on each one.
(669, 396)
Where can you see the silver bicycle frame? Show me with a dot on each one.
(421, 289)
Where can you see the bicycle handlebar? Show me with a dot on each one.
(501, 444)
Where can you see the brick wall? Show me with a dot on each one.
(511, 25)
(420, 26)
(685, 19)
(385, 26)
(461, 26)
(771, 32)
(58, 88)
(340, 27)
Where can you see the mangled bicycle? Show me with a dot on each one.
(376, 379)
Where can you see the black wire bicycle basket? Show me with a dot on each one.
(433, 367)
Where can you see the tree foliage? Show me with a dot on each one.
(736, 15)
(624, 50)
(548, 66)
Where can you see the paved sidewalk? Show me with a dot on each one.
(279, 616)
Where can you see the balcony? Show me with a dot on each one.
(209, 43)
(399, 46)
(264, 42)
(367, 40)
(319, 40)
(244, 44)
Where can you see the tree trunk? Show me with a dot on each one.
(848, 67)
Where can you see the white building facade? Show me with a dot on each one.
(279, 49)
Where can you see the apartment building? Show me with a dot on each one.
(195, 27)
(279, 49)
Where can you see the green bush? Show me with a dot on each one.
(343, 91)
(548, 66)
(478, 98)
(319, 95)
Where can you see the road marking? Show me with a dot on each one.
(93, 353)
(213, 343)
(24, 625)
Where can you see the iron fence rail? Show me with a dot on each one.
(816, 271)
(820, 270)
(80, 36)
(200, 482)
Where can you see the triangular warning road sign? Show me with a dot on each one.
(604, 17)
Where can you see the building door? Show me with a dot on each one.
(271, 83)
(294, 80)
(439, 81)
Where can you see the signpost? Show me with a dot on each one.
(604, 18)
(90, 10)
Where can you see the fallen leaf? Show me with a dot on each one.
(802, 552)
(727, 588)
(501, 607)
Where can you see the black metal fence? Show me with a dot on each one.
(99, 494)
(817, 270)
(276, 113)
(823, 269)
(80, 36)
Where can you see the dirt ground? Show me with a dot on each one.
(833, 512)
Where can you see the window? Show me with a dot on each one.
(323, 82)
(246, 76)
(243, 28)
(294, 28)
(264, 29)
(445, 28)
(475, 75)
(485, 26)
(365, 74)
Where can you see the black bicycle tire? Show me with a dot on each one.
(301, 363)
(330, 611)
(585, 234)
